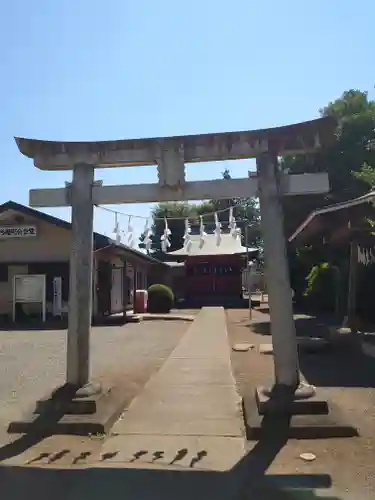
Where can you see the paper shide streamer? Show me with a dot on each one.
(147, 233)
(202, 232)
(117, 231)
(232, 224)
(130, 233)
(165, 243)
(217, 230)
(187, 239)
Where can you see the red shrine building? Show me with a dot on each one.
(208, 269)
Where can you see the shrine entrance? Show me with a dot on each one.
(212, 277)
(170, 154)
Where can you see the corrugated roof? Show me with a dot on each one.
(228, 246)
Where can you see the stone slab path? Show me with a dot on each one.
(189, 413)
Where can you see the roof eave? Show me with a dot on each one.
(366, 198)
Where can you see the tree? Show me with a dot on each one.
(352, 149)
(348, 160)
(366, 175)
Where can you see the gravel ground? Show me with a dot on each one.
(32, 363)
(348, 463)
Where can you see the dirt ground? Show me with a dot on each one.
(33, 363)
(345, 377)
(343, 468)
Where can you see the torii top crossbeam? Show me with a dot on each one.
(291, 139)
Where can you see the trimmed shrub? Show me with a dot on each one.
(160, 299)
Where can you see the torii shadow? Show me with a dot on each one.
(246, 480)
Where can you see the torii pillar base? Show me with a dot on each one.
(267, 418)
(279, 399)
(68, 411)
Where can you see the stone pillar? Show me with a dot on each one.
(277, 274)
(80, 285)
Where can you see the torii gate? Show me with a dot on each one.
(170, 155)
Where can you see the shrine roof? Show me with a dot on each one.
(336, 220)
(228, 246)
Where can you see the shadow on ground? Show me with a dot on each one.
(213, 301)
(25, 327)
(141, 484)
(59, 325)
(306, 325)
(329, 367)
(247, 480)
(26, 441)
(350, 367)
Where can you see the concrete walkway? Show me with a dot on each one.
(189, 413)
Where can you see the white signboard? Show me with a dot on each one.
(17, 231)
(29, 289)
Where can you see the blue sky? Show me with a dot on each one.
(95, 69)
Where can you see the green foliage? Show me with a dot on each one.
(346, 160)
(349, 161)
(300, 264)
(160, 299)
(366, 175)
(321, 290)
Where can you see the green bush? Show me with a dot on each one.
(160, 299)
(321, 287)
